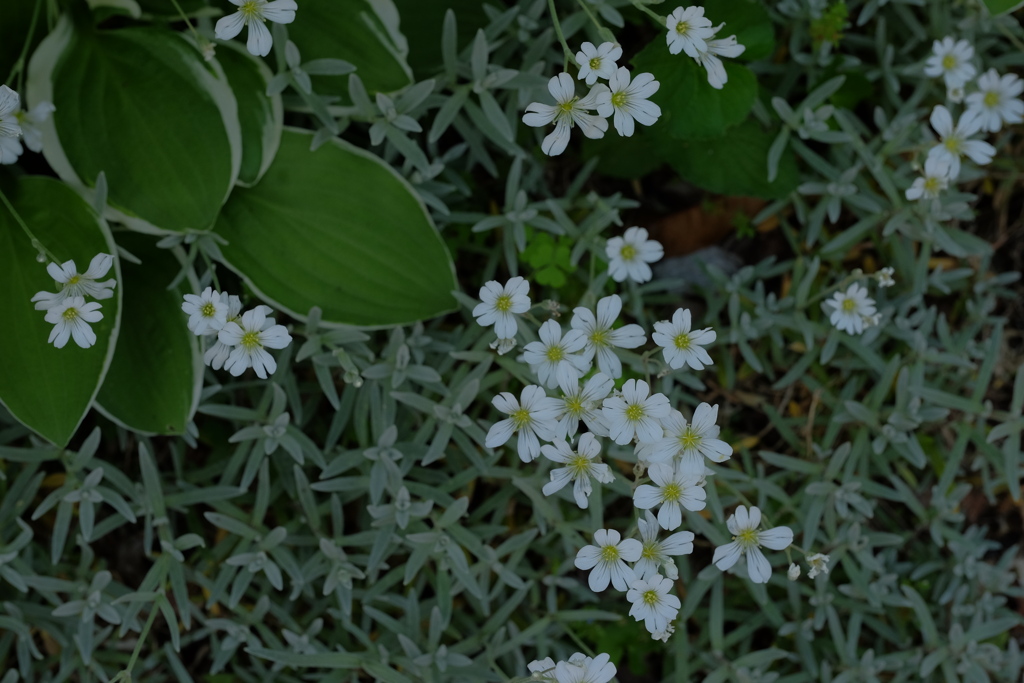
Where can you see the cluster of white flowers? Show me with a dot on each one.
(993, 103)
(17, 123)
(853, 311)
(673, 451)
(625, 99)
(691, 32)
(578, 669)
(254, 13)
(67, 309)
(242, 339)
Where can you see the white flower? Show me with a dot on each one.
(996, 101)
(607, 558)
(542, 669)
(499, 304)
(9, 105)
(503, 346)
(794, 571)
(688, 443)
(655, 554)
(554, 358)
(955, 141)
(582, 669)
(208, 312)
(653, 602)
(663, 634)
(597, 62)
(629, 255)
(952, 61)
(955, 95)
(77, 284)
(250, 338)
(933, 182)
(747, 540)
(683, 345)
(628, 101)
(885, 278)
(600, 337)
(818, 563)
(688, 29)
(583, 403)
(676, 489)
(567, 111)
(31, 121)
(10, 150)
(71, 318)
(580, 466)
(850, 308)
(725, 47)
(217, 354)
(634, 413)
(532, 416)
(253, 13)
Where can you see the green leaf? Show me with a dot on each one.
(50, 389)
(748, 20)
(632, 157)
(166, 8)
(422, 21)
(337, 228)
(1002, 6)
(260, 116)
(141, 105)
(691, 108)
(155, 378)
(14, 32)
(735, 164)
(362, 32)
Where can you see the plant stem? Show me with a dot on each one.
(642, 6)
(39, 246)
(601, 30)
(561, 36)
(126, 673)
(185, 18)
(19, 65)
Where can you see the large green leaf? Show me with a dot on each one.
(141, 105)
(735, 164)
(154, 381)
(339, 229)
(49, 389)
(363, 32)
(422, 21)
(1003, 6)
(692, 109)
(14, 29)
(748, 20)
(259, 115)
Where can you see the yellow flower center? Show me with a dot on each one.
(578, 465)
(650, 550)
(628, 252)
(251, 340)
(849, 305)
(634, 412)
(595, 63)
(70, 314)
(567, 107)
(609, 553)
(208, 310)
(747, 538)
(690, 438)
(504, 303)
(520, 418)
(619, 99)
(991, 98)
(671, 493)
(682, 341)
(948, 62)
(252, 9)
(599, 338)
(682, 28)
(932, 184)
(555, 354)
(74, 279)
(574, 405)
(953, 145)
(650, 597)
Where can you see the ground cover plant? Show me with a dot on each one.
(551, 340)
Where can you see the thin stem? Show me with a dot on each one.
(561, 36)
(39, 246)
(19, 65)
(186, 19)
(642, 6)
(601, 30)
(126, 673)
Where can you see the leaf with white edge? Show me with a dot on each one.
(46, 388)
(141, 105)
(691, 108)
(1002, 6)
(260, 115)
(337, 228)
(153, 383)
(362, 32)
